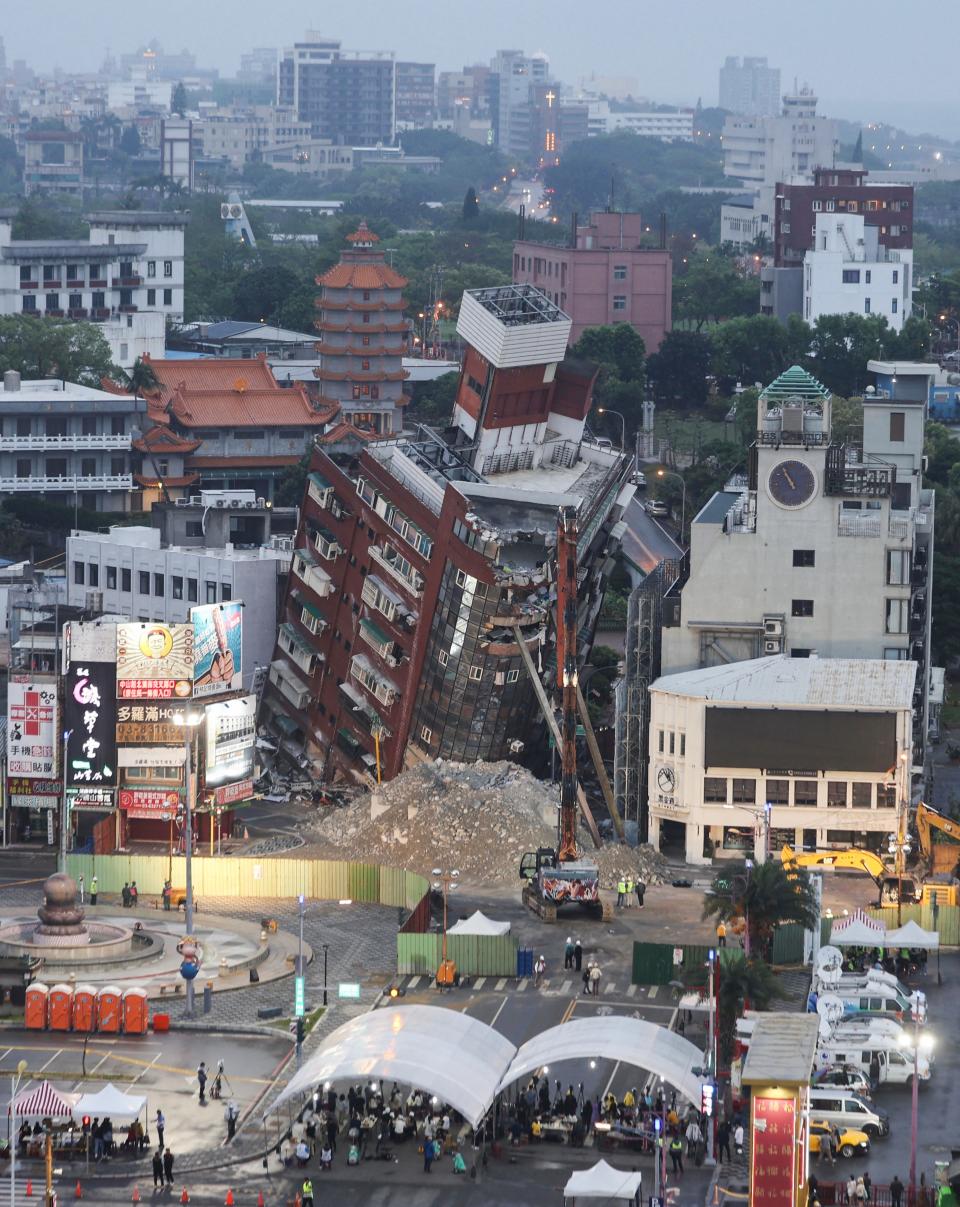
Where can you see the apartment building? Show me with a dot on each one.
(415, 101)
(346, 96)
(749, 86)
(53, 163)
(676, 126)
(242, 135)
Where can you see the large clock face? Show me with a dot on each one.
(791, 483)
(666, 780)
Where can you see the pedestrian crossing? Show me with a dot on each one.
(552, 986)
(21, 1185)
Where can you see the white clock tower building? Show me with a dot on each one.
(826, 550)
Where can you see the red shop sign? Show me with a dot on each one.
(773, 1152)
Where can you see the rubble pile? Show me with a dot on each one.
(477, 817)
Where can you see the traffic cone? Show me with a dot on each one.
(184, 1197)
(136, 1195)
(228, 1201)
(78, 1193)
(260, 1200)
(29, 1189)
(246, 834)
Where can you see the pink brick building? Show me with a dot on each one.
(607, 278)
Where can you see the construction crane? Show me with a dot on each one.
(563, 876)
(908, 889)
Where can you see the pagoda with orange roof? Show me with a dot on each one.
(363, 339)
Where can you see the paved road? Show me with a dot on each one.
(645, 543)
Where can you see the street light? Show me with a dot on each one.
(623, 425)
(918, 1012)
(669, 473)
(15, 1079)
(190, 721)
(945, 318)
(761, 829)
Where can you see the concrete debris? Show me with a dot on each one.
(476, 817)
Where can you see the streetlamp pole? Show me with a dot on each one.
(325, 949)
(189, 721)
(669, 473)
(623, 425)
(914, 1103)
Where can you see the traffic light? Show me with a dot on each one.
(706, 1099)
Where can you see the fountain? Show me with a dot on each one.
(61, 916)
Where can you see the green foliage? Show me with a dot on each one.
(43, 347)
(620, 579)
(618, 347)
(141, 377)
(471, 207)
(130, 141)
(14, 538)
(433, 400)
(293, 483)
(678, 369)
(613, 614)
(748, 350)
(10, 168)
(946, 600)
(712, 289)
(763, 896)
(604, 656)
(49, 218)
(178, 101)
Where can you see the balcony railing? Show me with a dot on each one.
(68, 482)
(414, 584)
(858, 523)
(14, 444)
(126, 282)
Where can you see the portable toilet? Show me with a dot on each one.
(136, 1013)
(109, 1008)
(60, 1007)
(35, 1009)
(85, 1009)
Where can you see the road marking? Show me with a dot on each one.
(501, 984)
(611, 988)
(497, 1015)
(525, 981)
(616, 1070)
(414, 982)
(569, 1010)
(566, 986)
(478, 983)
(654, 990)
(146, 1069)
(51, 1060)
(631, 990)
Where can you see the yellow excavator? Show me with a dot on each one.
(907, 888)
(939, 839)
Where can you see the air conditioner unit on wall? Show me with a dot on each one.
(773, 628)
(772, 647)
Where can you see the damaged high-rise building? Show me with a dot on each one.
(423, 562)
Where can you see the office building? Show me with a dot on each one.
(139, 92)
(422, 562)
(178, 150)
(608, 277)
(53, 163)
(749, 87)
(259, 66)
(69, 443)
(513, 76)
(415, 101)
(778, 751)
(668, 126)
(464, 90)
(767, 150)
(825, 549)
(240, 135)
(346, 96)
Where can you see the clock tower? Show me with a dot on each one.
(793, 434)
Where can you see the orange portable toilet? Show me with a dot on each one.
(136, 1013)
(109, 1008)
(60, 1007)
(35, 1010)
(84, 1008)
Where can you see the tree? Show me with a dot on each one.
(141, 378)
(841, 346)
(712, 289)
(471, 207)
(618, 346)
(749, 350)
(762, 897)
(178, 101)
(261, 294)
(742, 981)
(293, 482)
(43, 347)
(678, 370)
(130, 141)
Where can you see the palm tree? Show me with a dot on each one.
(141, 377)
(743, 983)
(761, 897)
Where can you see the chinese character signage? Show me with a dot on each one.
(153, 803)
(143, 724)
(231, 736)
(154, 661)
(33, 794)
(32, 730)
(90, 717)
(229, 794)
(92, 798)
(217, 657)
(773, 1171)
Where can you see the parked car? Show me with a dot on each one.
(656, 507)
(845, 1075)
(853, 1143)
(639, 479)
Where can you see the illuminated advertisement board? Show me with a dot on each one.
(231, 731)
(90, 718)
(151, 803)
(32, 730)
(217, 647)
(154, 661)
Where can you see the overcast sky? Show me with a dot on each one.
(882, 60)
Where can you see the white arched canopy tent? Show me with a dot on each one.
(630, 1040)
(458, 1058)
(467, 1063)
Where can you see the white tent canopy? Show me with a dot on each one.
(458, 1058)
(602, 1181)
(109, 1102)
(630, 1040)
(479, 924)
(858, 931)
(912, 934)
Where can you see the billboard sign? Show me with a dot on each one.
(231, 736)
(32, 730)
(154, 661)
(217, 647)
(91, 798)
(151, 803)
(90, 719)
(773, 1151)
(33, 794)
(151, 756)
(148, 723)
(229, 794)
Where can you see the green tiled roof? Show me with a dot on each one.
(796, 383)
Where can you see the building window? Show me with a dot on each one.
(176, 585)
(898, 567)
(805, 793)
(111, 578)
(672, 742)
(364, 366)
(660, 741)
(168, 297)
(801, 607)
(79, 573)
(94, 575)
(714, 790)
(778, 792)
(365, 340)
(426, 735)
(886, 796)
(194, 528)
(683, 745)
(817, 206)
(168, 268)
(744, 792)
(898, 421)
(836, 794)
(896, 617)
(75, 301)
(158, 586)
(866, 305)
(619, 301)
(226, 591)
(151, 297)
(29, 303)
(894, 653)
(797, 651)
(866, 276)
(151, 268)
(191, 590)
(896, 275)
(443, 657)
(211, 591)
(619, 272)
(52, 301)
(851, 276)
(125, 579)
(143, 579)
(861, 795)
(893, 305)
(476, 673)
(513, 676)
(804, 557)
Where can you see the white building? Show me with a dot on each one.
(513, 77)
(178, 150)
(241, 135)
(668, 126)
(131, 571)
(749, 87)
(779, 751)
(826, 549)
(127, 277)
(847, 272)
(141, 91)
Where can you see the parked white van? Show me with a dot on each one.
(842, 1106)
(876, 1055)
